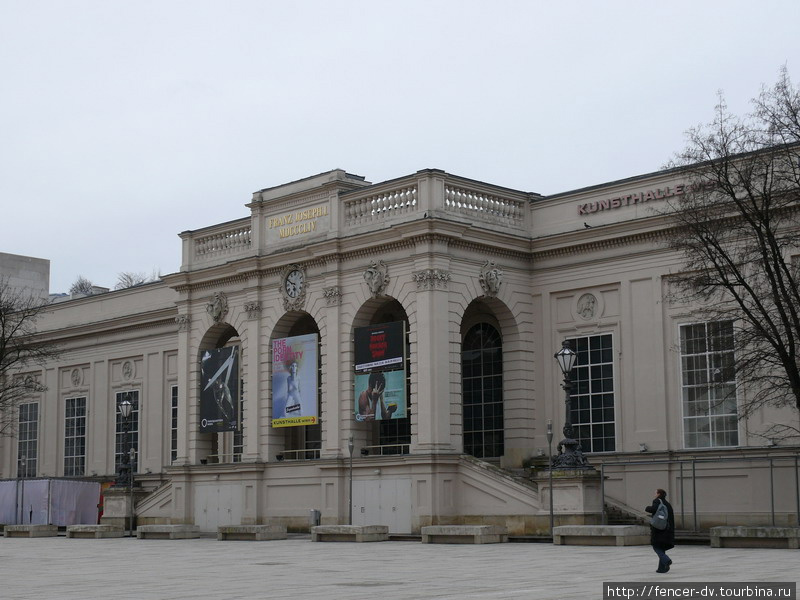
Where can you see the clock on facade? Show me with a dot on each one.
(294, 282)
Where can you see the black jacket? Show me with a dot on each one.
(664, 538)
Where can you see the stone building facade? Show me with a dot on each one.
(487, 282)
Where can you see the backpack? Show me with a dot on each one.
(660, 519)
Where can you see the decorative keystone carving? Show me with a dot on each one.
(490, 278)
(377, 278)
(431, 279)
(217, 307)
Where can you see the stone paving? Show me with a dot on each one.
(61, 568)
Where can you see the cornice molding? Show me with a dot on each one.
(605, 244)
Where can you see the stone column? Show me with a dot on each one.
(251, 373)
(431, 412)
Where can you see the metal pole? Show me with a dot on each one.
(683, 504)
(350, 500)
(133, 457)
(550, 471)
(694, 492)
(771, 492)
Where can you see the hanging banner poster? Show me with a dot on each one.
(380, 346)
(294, 381)
(219, 389)
(381, 395)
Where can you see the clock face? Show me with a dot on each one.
(294, 283)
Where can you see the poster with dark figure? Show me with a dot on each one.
(219, 390)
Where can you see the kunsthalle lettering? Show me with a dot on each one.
(748, 589)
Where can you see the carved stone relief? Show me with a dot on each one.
(431, 279)
(127, 370)
(183, 321)
(333, 295)
(253, 310)
(587, 307)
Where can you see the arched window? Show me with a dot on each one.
(482, 391)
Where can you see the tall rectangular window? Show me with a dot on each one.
(75, 437)
(173, 431)
(592, 413)
(708, 385)
(133, 433)
(28, 440)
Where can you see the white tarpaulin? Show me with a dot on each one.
(59, 502)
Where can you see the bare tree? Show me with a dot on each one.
(81, 286)
(737, 225)
(129, 279)
(21, 352)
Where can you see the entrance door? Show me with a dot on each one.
(383, 502)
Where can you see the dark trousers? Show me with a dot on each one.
(663, 560)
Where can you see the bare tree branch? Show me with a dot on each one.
(737, 229)
(22, 352)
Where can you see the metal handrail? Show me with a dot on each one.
(694, 462)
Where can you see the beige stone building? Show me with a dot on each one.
(487, 282)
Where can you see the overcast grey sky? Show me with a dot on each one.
(123, 123)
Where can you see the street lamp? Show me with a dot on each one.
(132, 453)
(570, 455)
(550, 470)
(350, 502)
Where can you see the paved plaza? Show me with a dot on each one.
(50, 568)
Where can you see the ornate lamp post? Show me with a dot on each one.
(350, 501)
(570, 455)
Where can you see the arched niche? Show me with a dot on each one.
(385, 436)
(489, 336)
(301, 441)
(222, 446)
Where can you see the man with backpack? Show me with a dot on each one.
(662, 529)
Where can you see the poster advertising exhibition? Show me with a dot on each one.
(381, 395)
(219, 390)
(294, 381)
